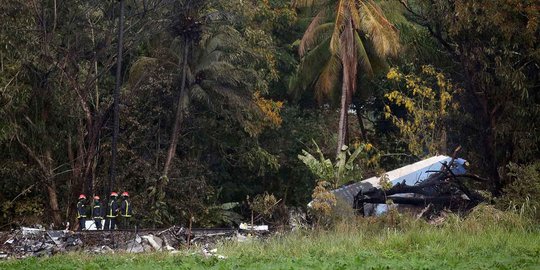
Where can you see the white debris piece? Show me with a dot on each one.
(154, 241)
(242, 238)
(56, 236)
(103, 250)
(90, 225)
(245, 226)
(211, 253)
(134, 247)
(26, 231)
(10, 241)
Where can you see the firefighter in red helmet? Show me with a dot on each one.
(112, 212)
(125, 211)
(97, 212)
(81, 211)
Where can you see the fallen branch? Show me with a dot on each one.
(22, 193)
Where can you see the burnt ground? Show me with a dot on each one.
(27, 242)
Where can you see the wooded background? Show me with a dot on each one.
(217, 98)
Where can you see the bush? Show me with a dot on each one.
(322, 204)
(523, 192)
(485, 217)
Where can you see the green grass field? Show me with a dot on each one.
(495, 243)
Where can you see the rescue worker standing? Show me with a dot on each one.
(81, 211)
(97, 212)
(112, 212)
(125, 211)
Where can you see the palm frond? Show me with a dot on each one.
(237, 78)
(234, 99)
(327, 81)
(342, 16)
(355, 14)
(226, 37)
(213, 44)
(309, 37)
(185, 100)
(190, 76)
(309, 68)
(382, 34)
(378, 63)
(176, 47)
(308, 3)
(363, 57)
(380, 14)
(141, 68)
(208, 59)
(216, 67)
(199, 94)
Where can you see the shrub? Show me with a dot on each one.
(523, 192)
(323, 203)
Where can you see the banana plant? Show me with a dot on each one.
(337, 173)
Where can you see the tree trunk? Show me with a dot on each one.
(487, 119)
(443, 143)
(53, 202)
(490, 156)
(116, 96)
(189, 232)
(51, 186)
(343, 116)
(47, 178)
(180, 111)
(361, 122)
(349, 63)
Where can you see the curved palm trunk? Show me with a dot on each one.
(343, 118)
(350, 61)
(179, 118)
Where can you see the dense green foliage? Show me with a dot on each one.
(217, 99)
(521, 193)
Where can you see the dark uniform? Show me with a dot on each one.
(97, 214)
(112, 213)
(125, 213)
(81, 212)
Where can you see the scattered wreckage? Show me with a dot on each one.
(437, 182)
(29, 242)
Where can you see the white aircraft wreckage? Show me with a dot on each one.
(438, 181)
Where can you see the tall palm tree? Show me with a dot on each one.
(187, 25)
(210, 76)
(343, 38)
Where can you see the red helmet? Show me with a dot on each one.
(125, 194)
(82, 196)
(114, 194)
(96, 197)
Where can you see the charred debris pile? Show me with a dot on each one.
(28, 242)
